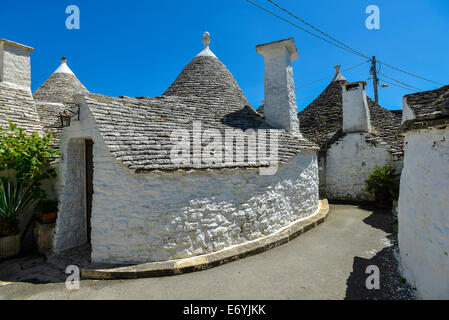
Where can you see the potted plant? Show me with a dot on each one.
(28, 159)
(46, 211)
(45, 214)
(383, 183)
(14, 199)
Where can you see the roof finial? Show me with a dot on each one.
(63, 60)
(338, 76)
(206, 39)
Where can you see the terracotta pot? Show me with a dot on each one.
(9, 246)
(49, 217)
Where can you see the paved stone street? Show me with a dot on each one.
(327, 262)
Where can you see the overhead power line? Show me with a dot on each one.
(411, 74)
(397, 85)
(327, 77)
(320, 31)
(333, 41)
(305, 30)
(403, 83)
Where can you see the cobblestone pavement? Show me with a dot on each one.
(327, 262)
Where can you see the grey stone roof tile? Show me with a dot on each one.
(19, 107)
(428, 105)
(137, 131)
(53, 97)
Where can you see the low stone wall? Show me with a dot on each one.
(423, 212)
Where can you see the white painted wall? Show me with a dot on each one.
(424, 212)
(166, 215)
(407, 112)
(349, 161)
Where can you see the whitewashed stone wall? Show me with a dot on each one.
(161, 215)
(15, 67)
(356, 115)
(424, 212)
(71, 222)
(348, 163)
(280, 107)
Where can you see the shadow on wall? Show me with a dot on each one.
(392, 285)
(245, 118)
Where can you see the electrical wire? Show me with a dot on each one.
(336, 43)
(394, 84)
(400, 82)
(320, 31)
(305, 30)
(411, 74)
(327, 77)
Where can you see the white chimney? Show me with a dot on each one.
(280, 99)
(15, 67)
(356, 117)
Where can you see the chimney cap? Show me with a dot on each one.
(288, 43)
(353, 85)
(16, 44)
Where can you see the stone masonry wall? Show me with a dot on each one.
(349, 161)
(423, 212)
(70, 185)
(15, 68)
(162, 216)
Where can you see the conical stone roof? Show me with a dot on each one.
(322, 120)
(208, 78)
(56, 95)
(60, 87)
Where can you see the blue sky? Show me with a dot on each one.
(137, 48)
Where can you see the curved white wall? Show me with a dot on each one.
(159, 216)
(162, 216)
(424, 212)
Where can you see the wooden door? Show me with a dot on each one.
(89, 184)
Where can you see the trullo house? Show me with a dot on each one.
(354, 135)
(190, 172)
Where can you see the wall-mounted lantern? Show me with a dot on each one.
(66, 115)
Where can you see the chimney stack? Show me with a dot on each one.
(356, 116)
(280, 107)
(15, 66)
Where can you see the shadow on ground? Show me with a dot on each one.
(392, 285)
(32, 268)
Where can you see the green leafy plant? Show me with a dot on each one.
(383, 180)
(14, 199)
(29, 156)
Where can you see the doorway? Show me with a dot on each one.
(89, 185)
